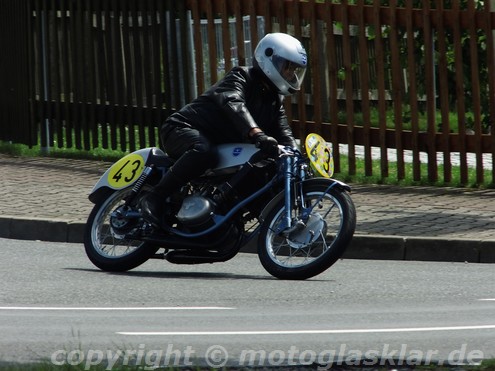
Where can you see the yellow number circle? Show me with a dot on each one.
(126, 171)
(320, 155)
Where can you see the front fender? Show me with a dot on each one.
(124, 173)
(280, 196)
(99, 194)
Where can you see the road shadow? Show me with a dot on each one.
(177, 275)
(188, 275)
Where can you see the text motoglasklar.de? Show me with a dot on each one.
(217, 356)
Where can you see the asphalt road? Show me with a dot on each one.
(56, 306)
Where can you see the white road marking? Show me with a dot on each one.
(114, 308)
(486, 299)
(298, 332)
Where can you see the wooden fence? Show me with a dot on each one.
(15, 120)
(106, 70)
(414, 75)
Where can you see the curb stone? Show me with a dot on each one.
(372, 247)
(41, 230)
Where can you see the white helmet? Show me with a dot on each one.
(283, 60)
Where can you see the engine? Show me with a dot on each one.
(196, 211)
(217, 195)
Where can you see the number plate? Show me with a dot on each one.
(320, 155)
(125, 171)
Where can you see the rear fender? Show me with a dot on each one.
(125, 172)
(329, 182)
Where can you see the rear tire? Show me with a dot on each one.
(317, 246)
(110, 250)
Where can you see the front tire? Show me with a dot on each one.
(315, 247)
(107, 248)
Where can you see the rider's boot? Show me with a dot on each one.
(153, 203)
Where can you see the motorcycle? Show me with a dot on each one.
(303, 219)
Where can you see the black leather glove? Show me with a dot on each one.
(267, 145)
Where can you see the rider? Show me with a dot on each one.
(244, 106)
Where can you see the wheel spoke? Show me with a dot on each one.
(277, 248)
(105, 240)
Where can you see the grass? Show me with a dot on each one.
(60, 150)
(406, 119)
(22, 150)
(360, 178)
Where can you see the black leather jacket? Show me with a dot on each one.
(227, 111)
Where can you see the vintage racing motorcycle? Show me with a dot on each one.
(302, 218)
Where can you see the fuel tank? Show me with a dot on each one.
(233, 155)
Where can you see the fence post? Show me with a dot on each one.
(490, 7)
(15, 120)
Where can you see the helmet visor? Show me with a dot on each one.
(291, 72)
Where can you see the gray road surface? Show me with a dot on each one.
(55, 305)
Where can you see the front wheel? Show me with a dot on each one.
(318, 241)
(104, 238)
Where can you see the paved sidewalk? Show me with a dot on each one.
(46, 199)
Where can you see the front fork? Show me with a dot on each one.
(290, 170)
(126, 211)
(139, 184)
(293, 186)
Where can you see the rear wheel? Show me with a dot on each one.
(104, 237)
(317, 243)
